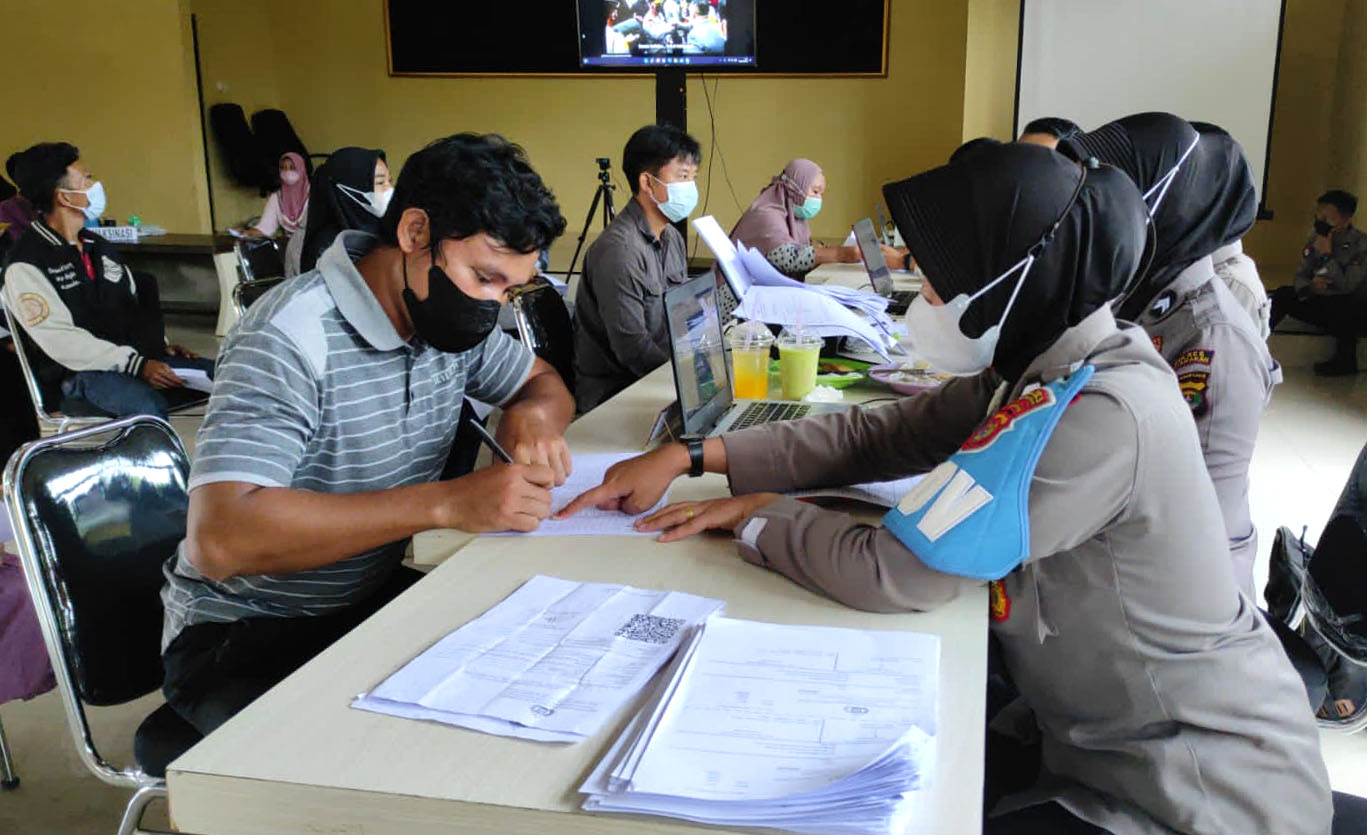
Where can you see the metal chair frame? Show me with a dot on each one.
(56, 423)
(36, 566)
(53, 423)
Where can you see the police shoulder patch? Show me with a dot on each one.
(1196, 358)
(33, 309)
(998, 601)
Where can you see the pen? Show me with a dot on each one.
(490, 442)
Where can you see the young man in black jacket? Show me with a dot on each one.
(81, 316)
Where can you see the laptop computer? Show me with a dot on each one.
(702, 375)
(879, 275)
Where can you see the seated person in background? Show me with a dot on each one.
(621, 335)
(1235, 269)
(337, 403)
(1047, 131)
(1330, 290)
(15, 210)
(706, 33)
(78, 307)
(777, 221)
(1157, 698)
(287, 207)
(614, 43)
(350, 191)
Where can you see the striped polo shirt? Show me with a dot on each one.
(315, 390)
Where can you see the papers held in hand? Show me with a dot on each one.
(552, 662)
(803, 728)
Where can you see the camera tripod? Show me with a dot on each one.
(604, 194)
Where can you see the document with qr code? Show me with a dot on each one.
(552, 662)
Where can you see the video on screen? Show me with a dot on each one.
(633, 33)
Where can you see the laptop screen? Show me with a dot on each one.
(695, 337)
(873, 257)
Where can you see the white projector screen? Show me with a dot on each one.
(1205, 60)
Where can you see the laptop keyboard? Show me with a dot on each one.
(899, 301)
(767, 412)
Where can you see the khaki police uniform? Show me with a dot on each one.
(1226, 375)
(1164, 702)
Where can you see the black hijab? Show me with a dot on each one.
(969, 222)
(1209, 198)
(1235, 199)
(333, 210)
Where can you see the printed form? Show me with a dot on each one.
(552, 662)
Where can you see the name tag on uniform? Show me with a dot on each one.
(970, 516)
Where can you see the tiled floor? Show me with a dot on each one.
(1310, 436)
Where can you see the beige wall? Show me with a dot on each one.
(990, 68)
(1300, 142)
(118, 81)
(240, 62)
(337, 91)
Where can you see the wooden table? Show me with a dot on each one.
(221, 249)
(300, 760)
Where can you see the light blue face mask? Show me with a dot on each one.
(682, 199)
(95, 197)
(808, 209)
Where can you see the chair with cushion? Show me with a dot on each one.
(72, 412)
(262, 268)
(96, 512)
(51, 421)
(544, 324)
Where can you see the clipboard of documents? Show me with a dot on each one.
(801, 728)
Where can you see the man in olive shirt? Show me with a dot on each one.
(620, 306)
(1331, 285)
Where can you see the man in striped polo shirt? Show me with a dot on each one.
(334, 409)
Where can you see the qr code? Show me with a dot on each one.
(650, 629)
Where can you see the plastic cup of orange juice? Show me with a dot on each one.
(750, 343)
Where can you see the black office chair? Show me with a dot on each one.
(262, 267)
(96, 513)
(544, 324)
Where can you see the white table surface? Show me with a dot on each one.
(300, 760)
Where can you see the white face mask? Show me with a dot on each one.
(290, 177)
(1160, 188)
(937, 336)
(373, 202)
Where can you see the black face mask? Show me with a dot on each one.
(448, 319)
(1322, 227)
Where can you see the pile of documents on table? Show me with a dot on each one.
(803, 728)
(767, 295)
(552, 662)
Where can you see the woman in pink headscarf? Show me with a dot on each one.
(777, 223)
(286, 209)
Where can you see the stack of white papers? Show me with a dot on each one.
(552, 662)
(769, 296)
(803, 728)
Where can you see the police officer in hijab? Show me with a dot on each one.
(1200, 196)
(1063, 469)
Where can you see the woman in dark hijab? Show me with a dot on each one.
(1202, 197)
(349, 191)
(1081, 499)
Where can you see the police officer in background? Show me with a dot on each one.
(1200, 194)
(1331, 285)
(1161, 699)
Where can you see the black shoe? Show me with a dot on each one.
(1336, 368)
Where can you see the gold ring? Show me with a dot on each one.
(688, 513)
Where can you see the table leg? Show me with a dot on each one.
(225, 264)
